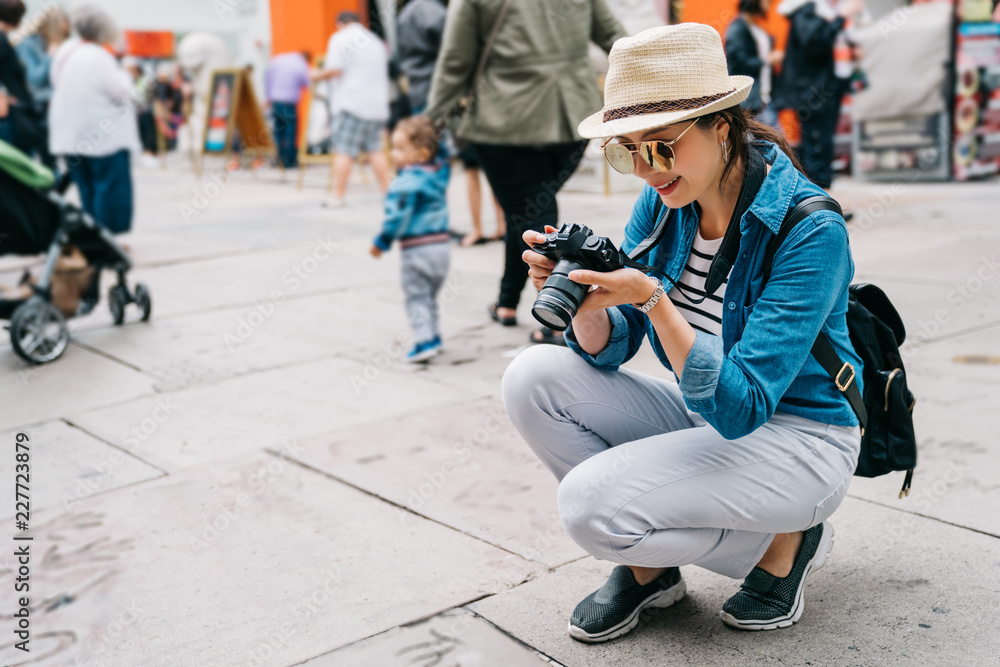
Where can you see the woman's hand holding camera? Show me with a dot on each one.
(614, 288)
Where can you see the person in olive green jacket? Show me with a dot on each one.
(537, 85)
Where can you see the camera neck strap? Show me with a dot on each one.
(753, 177)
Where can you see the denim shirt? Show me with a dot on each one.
(415, 203)
(762, 362)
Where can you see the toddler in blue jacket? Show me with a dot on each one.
(416, 214)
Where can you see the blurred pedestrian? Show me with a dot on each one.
(419, 29)
(809, 84)
(92, 118)
(168, 105)
(36, 50)
(20, 123)
(416, 214)
(750, 52)
(358, 62)
(143, 86)
(536, 86)
(472, 167)
(286, 77)
(199, 54)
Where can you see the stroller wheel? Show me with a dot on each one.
(143, 301)
(38, 332)
(117, 299)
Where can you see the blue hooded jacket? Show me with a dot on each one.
(415, 204)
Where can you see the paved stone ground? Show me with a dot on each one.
(254, 477)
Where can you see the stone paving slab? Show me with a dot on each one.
(874, 246)
(465, 466)
(453, 638)
(68, 466)
(249, 278)
(151, 248)
(33, 394)
(207, 422)
(238, 340)
(974, 260)
(897, 590)
(956, 423)
(249, 562)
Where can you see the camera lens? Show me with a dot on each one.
(560, 297)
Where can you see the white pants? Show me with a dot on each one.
(645, 481)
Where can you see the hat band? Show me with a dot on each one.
(666, 105)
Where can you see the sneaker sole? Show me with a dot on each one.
(661, 599)
(818, 561)
(424, 356)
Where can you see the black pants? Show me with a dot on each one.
(525, 180)
(819, 126)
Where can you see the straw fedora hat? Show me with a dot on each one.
(665, 75)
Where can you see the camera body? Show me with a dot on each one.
(572, 247)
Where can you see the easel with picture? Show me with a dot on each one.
(234, 122)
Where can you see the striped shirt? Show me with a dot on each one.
(707, 315)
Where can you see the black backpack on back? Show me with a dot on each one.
(886, 410)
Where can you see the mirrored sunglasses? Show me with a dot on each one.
(658, 155)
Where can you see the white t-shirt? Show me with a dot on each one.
(707, 315)
(362, 89)
(92, 112)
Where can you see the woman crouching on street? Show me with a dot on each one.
(737, 466)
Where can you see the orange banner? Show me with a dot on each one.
(149, 44)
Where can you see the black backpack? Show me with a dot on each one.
(886, 410)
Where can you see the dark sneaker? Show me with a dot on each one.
(613, 610)
(767, 602)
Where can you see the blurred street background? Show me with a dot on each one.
(259, 475)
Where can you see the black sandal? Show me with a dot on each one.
(548, 336)
(504, 321)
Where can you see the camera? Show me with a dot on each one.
(572, 247)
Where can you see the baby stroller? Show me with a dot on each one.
(34, 218)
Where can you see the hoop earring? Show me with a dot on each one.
(725, 152)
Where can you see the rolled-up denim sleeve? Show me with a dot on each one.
(627, 330)
(701, 372)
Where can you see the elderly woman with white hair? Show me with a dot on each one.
(92, 121)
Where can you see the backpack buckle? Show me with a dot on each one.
(843, 385)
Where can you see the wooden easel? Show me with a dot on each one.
(232, 109)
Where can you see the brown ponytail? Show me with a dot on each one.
(742, 130)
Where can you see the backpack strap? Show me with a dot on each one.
(823, 350)
(801, 211)
(843, 376)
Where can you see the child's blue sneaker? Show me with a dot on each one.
(424, 351)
